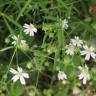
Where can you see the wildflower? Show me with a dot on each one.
(65, 24)
(89, 52)
(23, 42)
(30, 29)
(70, 50)
(19, 75)
(84, 74)
(62, 75)
(77, 42)
(14, 40)
(69, 17)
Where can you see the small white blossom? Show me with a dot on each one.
(84, 74)
(65, 24)
(70, 50)
(19, 75)
(89, 52)
(69, 17)
(62, 75)
(23, 42)
(15, 41)
(76, 41)
(30, 29)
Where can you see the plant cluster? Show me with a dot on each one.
(47, 48)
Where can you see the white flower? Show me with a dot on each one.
(70, 50)
(69, 17)
(62, 75)
(84, 74)
(30, 29)
(19, 75)
(89, 52)
(14, 40)
(23, 42)
(65, 24)
(76, 41)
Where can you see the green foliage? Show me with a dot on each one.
(44, 55)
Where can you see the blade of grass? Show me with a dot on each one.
(8, 26)
(7, 48)
(23, 9)
(10, 19)
(83, 7)
(60, 35)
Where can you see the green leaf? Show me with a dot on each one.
(60, 35)
(16, 89)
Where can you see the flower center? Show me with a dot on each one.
(19, 74)
(89, 51)
(31, 27)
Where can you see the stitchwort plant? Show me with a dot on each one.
(47, 48)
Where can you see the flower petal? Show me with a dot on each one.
(93, 55)
(82, 52)
(15, 78)
(14, 43)
(19, 69)
(84, 81)
(80, 76)
(87, 57)
(26, 25)
(85, 47)
(26, 31)
(25, 75)
(22, 80)
(31, 33)
(13, 71)
(34, 29)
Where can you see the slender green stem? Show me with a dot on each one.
(10, 64)
(37, 79)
